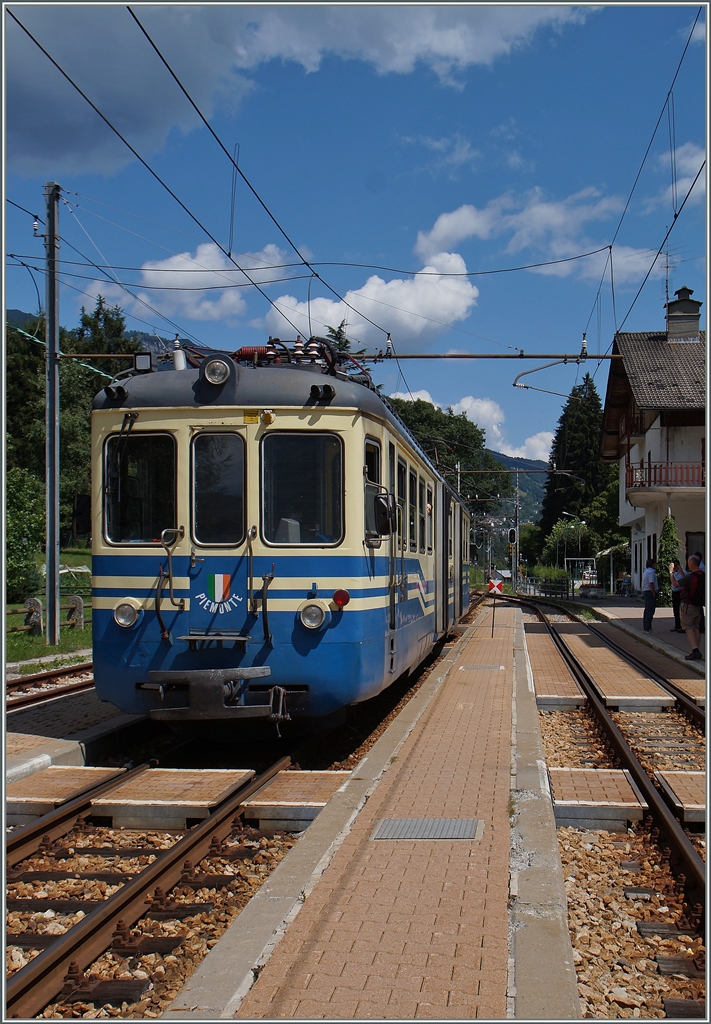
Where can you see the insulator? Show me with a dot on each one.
(298, 349)
(271, 351)
(313, 350)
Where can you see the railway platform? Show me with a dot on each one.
(58, 732)
(626, 615)
(403, 899)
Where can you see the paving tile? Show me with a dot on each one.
(412, 918)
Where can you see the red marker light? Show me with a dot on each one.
(341, 598)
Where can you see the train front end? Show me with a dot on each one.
(228, 582)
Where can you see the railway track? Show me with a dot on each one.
(143, 892)
(38, 687)
(624, 744)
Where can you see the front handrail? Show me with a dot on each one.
(178, 534)
(251, 599)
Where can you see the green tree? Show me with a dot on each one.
(449, 439)
(530, 543)
(102, 331)
(667, 552)
(339, 339)
(24, 529)
(576, 448)
(570, 539)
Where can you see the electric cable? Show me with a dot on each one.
(113, 278)
(169, 287)
(661, 247)
(128, 145)
(239, 171)
(89, 295)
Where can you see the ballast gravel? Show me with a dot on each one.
(617, 973)
(195, 935)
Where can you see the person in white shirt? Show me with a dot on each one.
(650, 586)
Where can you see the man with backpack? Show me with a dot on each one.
(693, 587)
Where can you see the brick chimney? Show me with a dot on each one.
(683, 316)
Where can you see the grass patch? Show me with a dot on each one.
(21, 647)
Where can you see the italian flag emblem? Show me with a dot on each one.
(219, 587)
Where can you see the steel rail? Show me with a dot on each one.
(696, 714)
(667, 823)
(31, 699)
(35, 985)
(38, 677)
(24, 841)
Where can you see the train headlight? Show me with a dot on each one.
(314, 615)
(217, 371)
(127, 614)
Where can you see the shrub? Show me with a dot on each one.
(24, 529)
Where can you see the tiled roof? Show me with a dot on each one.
(665, 374)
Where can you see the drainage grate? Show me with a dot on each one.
(463, 668)
(428, 828)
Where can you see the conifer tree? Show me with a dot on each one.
(669, 547)
(576, 448)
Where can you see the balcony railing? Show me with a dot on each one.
(631, 426)
(665, 474)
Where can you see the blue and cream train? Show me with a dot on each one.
(269, 541)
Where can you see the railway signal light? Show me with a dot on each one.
(512, 536)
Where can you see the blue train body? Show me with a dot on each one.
(265, 547)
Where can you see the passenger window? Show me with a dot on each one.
(218, 488)
(139, 484)
(302, 488)
(372, 485)
(421, 506)
(450, 539)
(430, 519)
(412, 517)
(401, 500)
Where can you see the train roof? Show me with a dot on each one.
(255, 387)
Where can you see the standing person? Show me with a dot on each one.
(702, 566)
(692, 596)
(676, 575)
(650, 586)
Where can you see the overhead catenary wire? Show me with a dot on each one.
(110, 279)
(128, 291)
(89, 295)
(661, 247)
(649, 146)
(243, 176)
(135, 152)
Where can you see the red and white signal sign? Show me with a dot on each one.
(496, 586)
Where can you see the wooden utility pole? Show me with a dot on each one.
(51, 242)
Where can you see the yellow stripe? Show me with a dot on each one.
(148, 603)
(137, 582)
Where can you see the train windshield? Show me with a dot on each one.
(302, 488)
(218, 489)
(139, 487)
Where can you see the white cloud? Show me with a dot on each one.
(452, 152)
(51, 129)
(489, 415)
(689, 158)
(412, 310)
(416, 396)
(530, 219)
(486, 413)
(447, 39)
(536, 447)
(197, 285)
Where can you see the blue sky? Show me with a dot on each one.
(434, 140)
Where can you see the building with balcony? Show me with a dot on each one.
(654, 426)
